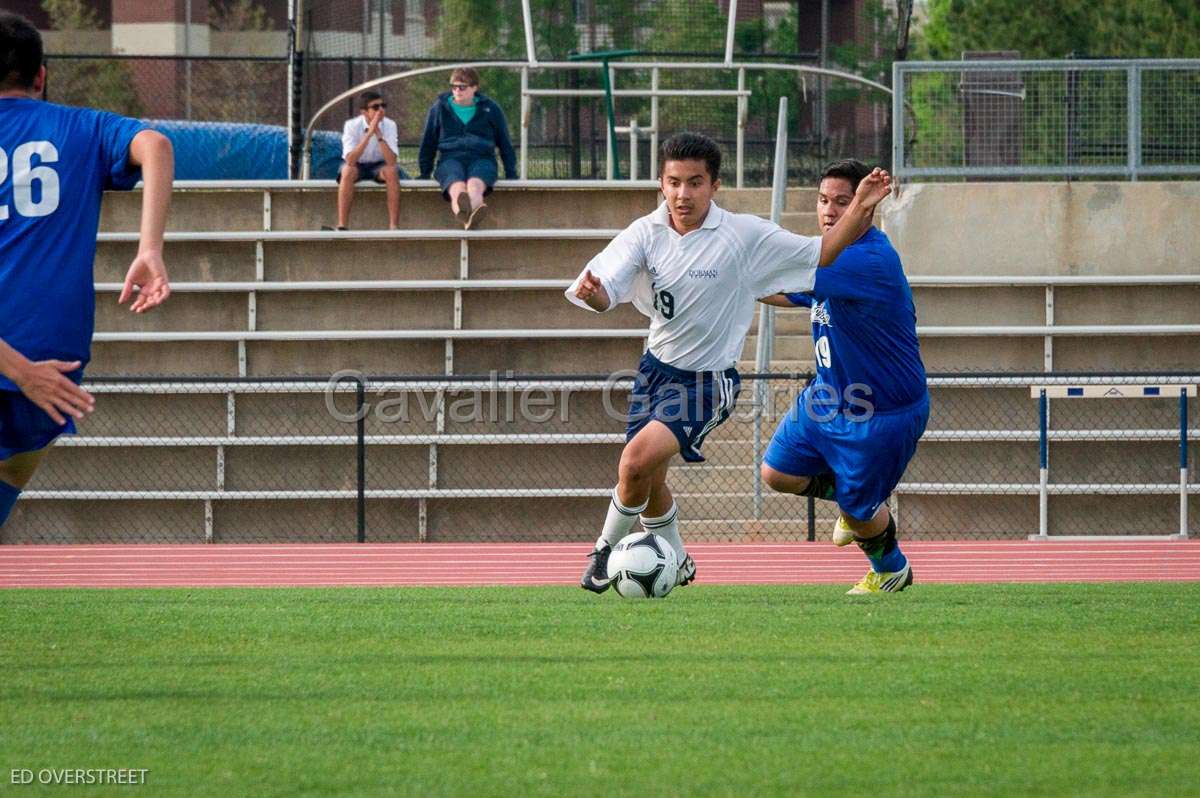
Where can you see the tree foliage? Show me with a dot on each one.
(99, 84)
(1060, 28)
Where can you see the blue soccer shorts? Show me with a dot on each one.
(25, 427)
(690, 403)
(867, 455)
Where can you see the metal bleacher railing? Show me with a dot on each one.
(1046, 119)
(272, 444)
(724, 494)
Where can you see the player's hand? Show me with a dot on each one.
(44, 383)
(589, 286)
(373, 120)
(148, 274)
(873, 188)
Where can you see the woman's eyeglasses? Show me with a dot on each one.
(459, 86)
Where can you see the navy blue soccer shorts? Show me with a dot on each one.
(690, 403)
(373, 171)
(25, 427)
(867, 455)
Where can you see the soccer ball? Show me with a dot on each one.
(643, 566)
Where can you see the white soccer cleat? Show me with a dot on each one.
(883, 582)
(687, 571)
(843, 535)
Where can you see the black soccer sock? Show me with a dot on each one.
(882, 550)
(822, 486)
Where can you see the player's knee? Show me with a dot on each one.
(632, 469)
(635, 466)
(349, 175)
(780, 482)
(771, 477)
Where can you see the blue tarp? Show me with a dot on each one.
(240, 151)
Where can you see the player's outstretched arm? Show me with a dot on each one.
(148, 273)
(591, 291)
(46, 385)
(778, 300)
(857, 218)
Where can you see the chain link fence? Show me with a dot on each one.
(348, 42)
(567, 136)
(226, 116)
(217, 89)
(529, 459)
(1048, 119)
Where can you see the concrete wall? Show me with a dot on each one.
(1046, 228)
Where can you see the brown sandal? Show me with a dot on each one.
(464, 209)
(476, 216)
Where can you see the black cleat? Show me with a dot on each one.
(687, 571)
(595, 577)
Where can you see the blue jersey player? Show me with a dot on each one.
(55, 163)
(696, 270)
(855, 427)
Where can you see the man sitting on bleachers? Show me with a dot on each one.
(370, 142)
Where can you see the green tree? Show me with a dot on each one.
(1059, 28)
(96, 83)
(239, 91)
(489, 30)
(1055, 131)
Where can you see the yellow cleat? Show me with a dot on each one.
(885, 582)
(842, 534)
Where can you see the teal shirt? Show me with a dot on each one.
(464, 113)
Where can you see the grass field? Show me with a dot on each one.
(944, 690)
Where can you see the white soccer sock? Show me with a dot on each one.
(667, 526)
(619, 521)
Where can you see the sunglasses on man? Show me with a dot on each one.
(376, 106)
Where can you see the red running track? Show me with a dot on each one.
(320, 565)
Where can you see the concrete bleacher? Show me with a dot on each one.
(230, 461)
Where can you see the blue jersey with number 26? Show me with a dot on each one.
(55, 163)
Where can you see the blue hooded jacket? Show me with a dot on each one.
(446, 135)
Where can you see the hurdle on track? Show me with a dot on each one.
(1043, 393)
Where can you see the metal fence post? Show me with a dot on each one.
(360, 390)
(742, 105)
(766, 313)
(1183, 461)
(1134, 119)
(296, 92)
(897, 119)
(633, 149)
(525, 111)
(1043, 468)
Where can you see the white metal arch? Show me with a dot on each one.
(549, 65)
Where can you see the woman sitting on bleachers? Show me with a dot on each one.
(464, 129)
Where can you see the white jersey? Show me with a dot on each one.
(356, 128)
(699, 290)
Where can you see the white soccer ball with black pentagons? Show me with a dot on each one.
(643, 566)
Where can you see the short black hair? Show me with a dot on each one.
(368, 97)
(847, 169)
(691, 147)
(20, 52)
